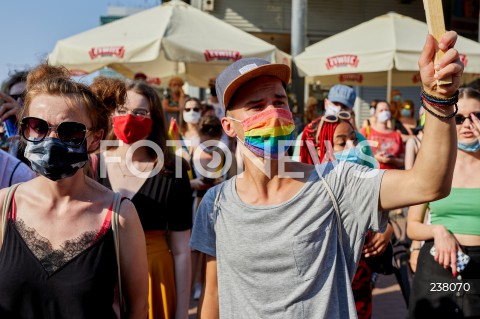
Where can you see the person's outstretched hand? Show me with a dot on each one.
(448, 65)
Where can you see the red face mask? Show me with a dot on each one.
(131, 129)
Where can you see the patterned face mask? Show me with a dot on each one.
(263, 132)
(55, 160)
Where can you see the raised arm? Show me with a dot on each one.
(431, 176)
(208, 307)
(133, 261)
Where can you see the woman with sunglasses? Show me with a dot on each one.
(440, 288)
(389, 147)
(189, 117)
(163, 201)
(58, 257)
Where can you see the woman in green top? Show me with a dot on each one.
(439, 289)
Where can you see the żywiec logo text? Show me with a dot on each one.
(354, 77)
(222, 55)
(118, 51)
(342, 60)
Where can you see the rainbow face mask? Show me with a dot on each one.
(264, 131)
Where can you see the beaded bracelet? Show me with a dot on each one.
(438, 115)
(438, 101)
(434, 104)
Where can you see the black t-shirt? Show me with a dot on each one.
(163, 202)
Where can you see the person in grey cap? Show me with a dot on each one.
(341, 98)
(283, 238)
(338, 104)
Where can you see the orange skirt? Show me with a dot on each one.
(162, 296)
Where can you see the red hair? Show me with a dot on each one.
(325, 136)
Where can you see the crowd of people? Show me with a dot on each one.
(298, 229)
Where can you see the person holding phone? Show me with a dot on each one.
(441, 287)
(11, 105)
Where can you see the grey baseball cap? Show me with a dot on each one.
(244, 70)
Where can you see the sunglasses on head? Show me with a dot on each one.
(332, 118)
(195, 109)
(459, 119)
(35, 129)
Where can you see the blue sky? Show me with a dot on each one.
(30, 28)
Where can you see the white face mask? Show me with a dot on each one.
(191, 117)
(372, 111)
(332, 109)
(384, 116)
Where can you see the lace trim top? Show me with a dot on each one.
(50, 258)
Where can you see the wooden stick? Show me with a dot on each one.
(436, 27)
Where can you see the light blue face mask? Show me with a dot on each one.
(350, 155)
(405, 113)
(472, 147)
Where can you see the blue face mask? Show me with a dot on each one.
(350, 155)
(405, 113)
(472, 147)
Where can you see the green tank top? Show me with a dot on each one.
(459, 212)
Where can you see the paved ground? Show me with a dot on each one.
(388, 302)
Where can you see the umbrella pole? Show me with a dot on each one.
(389, 85)
(176, 68)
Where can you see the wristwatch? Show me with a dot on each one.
(414, 248)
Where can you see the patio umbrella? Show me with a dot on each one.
(379, 52)
(172, 39)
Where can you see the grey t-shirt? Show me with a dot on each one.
(286, 261)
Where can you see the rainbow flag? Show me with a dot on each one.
(175, 135)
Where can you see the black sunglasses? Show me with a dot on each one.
(18, 96)
(70, 133)
(459, 119)
(195, 109)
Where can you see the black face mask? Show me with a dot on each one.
(55, 160)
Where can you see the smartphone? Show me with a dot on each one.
(9, 126)
(462, 259)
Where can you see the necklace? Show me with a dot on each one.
(130, 173)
